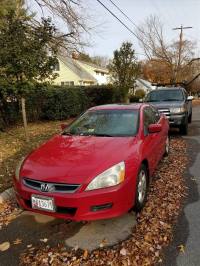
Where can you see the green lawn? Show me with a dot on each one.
(14, 147)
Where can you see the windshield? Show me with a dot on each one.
(165, 95)
(105, 123)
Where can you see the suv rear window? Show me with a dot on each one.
(165, 95)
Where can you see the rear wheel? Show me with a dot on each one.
(167, 146)
(141, 189)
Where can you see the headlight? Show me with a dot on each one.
(111, 177)
(177, 110)
(17, 171)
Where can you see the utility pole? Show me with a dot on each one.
(181, 28)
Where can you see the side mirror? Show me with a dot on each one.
(63, 126)
(154, 128)
(190, 98)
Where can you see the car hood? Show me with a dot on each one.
(76, 159)
(167, 104)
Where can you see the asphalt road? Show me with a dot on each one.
(187, 231)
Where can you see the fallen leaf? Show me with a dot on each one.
(103, 242)
(44, 240)
(76, 248)
(123, 252)
(85, 254)
(17, 241)
(181, 248)
(4, 246)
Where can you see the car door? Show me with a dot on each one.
(161, 136)
(151, 141)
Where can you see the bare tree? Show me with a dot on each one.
(72, 16)
(157, 48)
(101, 60)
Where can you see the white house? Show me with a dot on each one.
(74, 72)
(144, 85)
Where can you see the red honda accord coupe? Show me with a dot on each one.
(99, 167)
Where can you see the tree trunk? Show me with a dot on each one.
(24, 118)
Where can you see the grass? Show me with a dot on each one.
(14, 147)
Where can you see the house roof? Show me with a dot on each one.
(77, 69)
(145, 83)
(96, 67)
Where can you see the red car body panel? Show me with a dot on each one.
(79, 159)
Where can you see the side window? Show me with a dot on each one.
(149, 118)
(157, 114)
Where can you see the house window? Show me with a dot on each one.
(67, 83)
(56, 67)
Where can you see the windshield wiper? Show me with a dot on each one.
(171, 100)
(65, 133)
(102, 135)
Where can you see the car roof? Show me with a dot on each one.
(133, 106)
(168, 88)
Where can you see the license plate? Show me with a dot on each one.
(42, 203)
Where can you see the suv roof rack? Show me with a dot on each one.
(178, 84)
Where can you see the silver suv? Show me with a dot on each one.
(175, 103)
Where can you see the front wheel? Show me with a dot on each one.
(141, 189)
(184, 127)
(190, 118)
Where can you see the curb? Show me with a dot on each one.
(8, 194)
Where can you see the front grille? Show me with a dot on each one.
(50, 187)
(165, 111)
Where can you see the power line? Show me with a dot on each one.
(117, 18)
(125, 14)
(164, 15)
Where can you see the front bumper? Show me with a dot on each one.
(83, 206)
(176, 119)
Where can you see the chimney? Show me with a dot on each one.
(75, 55)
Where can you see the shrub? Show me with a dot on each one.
(134, 98)
(48, 102)
(140, 93)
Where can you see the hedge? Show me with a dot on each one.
(47, 102)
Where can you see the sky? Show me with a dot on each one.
(108, 33)
(172, 13)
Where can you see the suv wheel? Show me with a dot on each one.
(190, 118)
(141, 189)
(184, 128)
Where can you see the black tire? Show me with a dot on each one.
(184, 128)
(141, 195)
(190, 118)
(167, 147)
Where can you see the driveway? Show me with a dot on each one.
(39, 230)
(187, 231)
